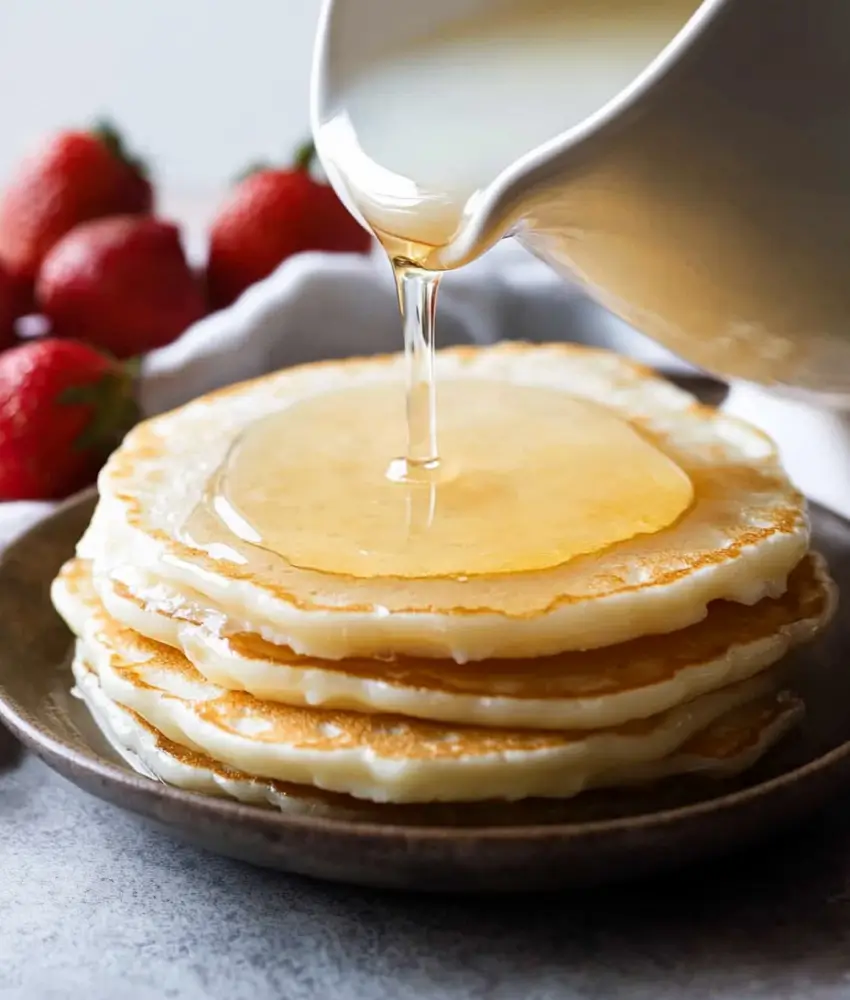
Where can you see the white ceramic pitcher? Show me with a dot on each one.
(709, 205)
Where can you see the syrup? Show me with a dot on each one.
(416, 289)
(417, 296)
(530, 478)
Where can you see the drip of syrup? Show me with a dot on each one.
(421, 468)
(417, 297)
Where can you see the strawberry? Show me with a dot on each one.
(8, 308)
(270, 215)
(75, 177)
(63, 407)
(121, 283)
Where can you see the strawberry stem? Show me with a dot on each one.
(250, 170)
(111, 137)
(304, 159)
(305, 156)
(114, 409)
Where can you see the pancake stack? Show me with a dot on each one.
(631, 630)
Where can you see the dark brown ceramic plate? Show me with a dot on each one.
(487, 847)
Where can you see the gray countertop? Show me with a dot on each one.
(96, 905)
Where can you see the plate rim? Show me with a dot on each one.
(38, 738)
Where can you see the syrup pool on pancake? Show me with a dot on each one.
(530, 479)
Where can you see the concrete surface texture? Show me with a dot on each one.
(94, 905)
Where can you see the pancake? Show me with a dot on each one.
(382, 758)
(730, 527)
(579, 690)
(722, 750)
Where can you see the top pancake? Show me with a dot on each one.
(743, 533)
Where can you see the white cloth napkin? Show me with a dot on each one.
(335, 305)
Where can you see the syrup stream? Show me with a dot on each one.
(417, 296)
(420, 467)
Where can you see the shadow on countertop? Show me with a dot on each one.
(10, 749)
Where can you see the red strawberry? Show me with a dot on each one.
(75, 177)
(121, 283)
(63, 407)
(270, 215)
(8, 308)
